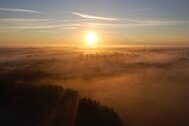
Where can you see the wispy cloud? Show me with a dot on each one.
(44, 26)
(94, 17)
(32, 24)
(139, 23)
(122, 22)
(22, 20)
(19, 10)
(69, 28)
(71, 24)
(163, 22)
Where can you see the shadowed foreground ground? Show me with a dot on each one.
(29, 105)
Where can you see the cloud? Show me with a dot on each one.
(34, 23)
(19, 10)
(22, 20)
(69, 28)
(121, 22)
(32, 27)
(125, 23)
(163, 22)
(71, 24)
(94, 17)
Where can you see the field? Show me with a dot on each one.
(145, 86)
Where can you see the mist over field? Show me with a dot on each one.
(146, 86)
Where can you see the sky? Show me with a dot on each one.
(163, 22)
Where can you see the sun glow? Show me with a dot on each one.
(91, 39)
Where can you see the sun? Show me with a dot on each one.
(91, 39)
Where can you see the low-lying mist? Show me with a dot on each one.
(147, 87)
